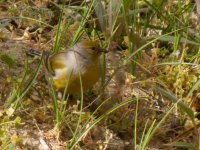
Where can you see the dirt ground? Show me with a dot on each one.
(32, 124)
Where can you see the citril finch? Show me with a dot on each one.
(76, 68)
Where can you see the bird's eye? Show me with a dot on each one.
(93, 48)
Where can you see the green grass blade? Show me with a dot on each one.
(169, 38)
(101, 14)
(194, 87)
(172, 97)
(28, 86)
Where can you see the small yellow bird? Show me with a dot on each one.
(79, 64)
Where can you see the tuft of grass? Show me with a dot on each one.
(96, 121)
(18, 94)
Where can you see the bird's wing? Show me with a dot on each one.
(57, 61)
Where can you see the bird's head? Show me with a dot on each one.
(93, 48)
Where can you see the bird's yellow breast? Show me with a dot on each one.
(72, 79)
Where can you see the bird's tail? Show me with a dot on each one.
(33, 52)
(45, 55)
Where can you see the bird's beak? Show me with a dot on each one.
(103, 50)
